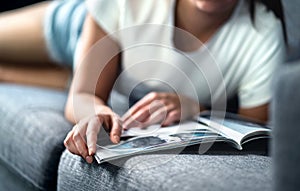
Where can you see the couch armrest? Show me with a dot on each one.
(286, 119)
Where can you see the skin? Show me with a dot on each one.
(93, 112)
(164, 108)
(214, 6)
(155, 107)
(52, 76)
(23, 64)
(87, 101)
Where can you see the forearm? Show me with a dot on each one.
(95, 73)
(82, 105)
(259, 113)
(202, 108)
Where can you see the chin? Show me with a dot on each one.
(214, 6)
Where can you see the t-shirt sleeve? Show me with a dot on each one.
(255, 87)
(106, 13)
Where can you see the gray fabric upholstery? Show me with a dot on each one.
(168, 172)
(32, 127)
(292, 15)
(286, 118)
(9, 180)
(32, 130)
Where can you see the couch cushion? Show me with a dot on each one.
(168, 172)
(32, 129)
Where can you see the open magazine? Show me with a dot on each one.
(203, 129)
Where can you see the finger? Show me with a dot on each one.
(80, 142)
(81, 147)
(172, 117)
(69, 144)
(116, 130)
(140, 104)
(92, 131)
(137, 119)
(144, 114)
(157, 117)
(160, 115)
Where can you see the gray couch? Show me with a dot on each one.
(286, 117)
(29, 114)
(32, 155)
(32, 130)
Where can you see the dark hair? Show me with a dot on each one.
(273, 5)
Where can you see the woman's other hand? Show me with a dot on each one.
(82, 139)
(164, 108)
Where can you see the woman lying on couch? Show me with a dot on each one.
(171, 59)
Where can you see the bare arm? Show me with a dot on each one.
(259, 113)
(94, 78)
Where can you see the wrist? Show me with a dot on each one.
(102, 109)
(202, 108)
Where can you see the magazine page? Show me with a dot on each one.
(238, 129)
(184, 127)
(156, 138)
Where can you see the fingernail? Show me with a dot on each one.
(90, 148)
(117, 139)
(89, 159)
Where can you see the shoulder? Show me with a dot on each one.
(264, 23)
(124, 13)
(138, 12)
(249, 37)
(105, 13)
(265, 19)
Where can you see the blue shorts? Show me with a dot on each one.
(62, 29)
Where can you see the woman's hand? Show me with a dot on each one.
(81, 140)
(164, 108)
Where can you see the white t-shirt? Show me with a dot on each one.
(239, 59)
